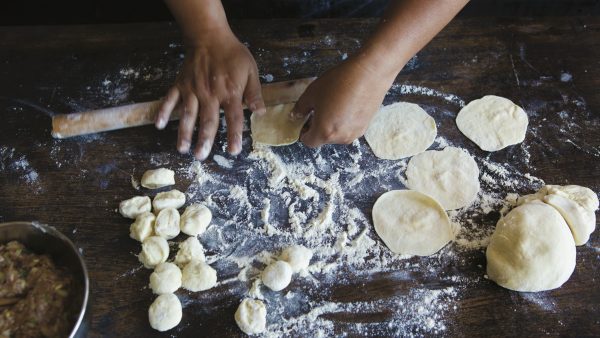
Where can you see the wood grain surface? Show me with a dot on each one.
(545, 65)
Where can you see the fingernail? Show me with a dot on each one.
(161, 123)
(260, 111)
(204, 151)
(184, 147)
(236, 145)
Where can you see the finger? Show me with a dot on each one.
(253, 94)
(166, 107)
(302, 108)
(207, 129)
(187, 122)
(234, 116)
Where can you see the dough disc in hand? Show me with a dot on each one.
(400, 130)
(450, 176)
(493, 122)
(411, 223)
(275, 128)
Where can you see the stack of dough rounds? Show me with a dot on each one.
(198, 276)
(165, 312)
(134, 206)
(251, 316)
(143, 227)
(275, 127)
(168, 199)
(195, 219)
(158, 178)
(167, 223)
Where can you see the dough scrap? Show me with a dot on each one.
(276, 128)
(195, 219)
(198, 276)
(411, 223)
(165, 312)
(251, 316)
(400, 130)
(450, 176)
(493, 122)
(297, 256)
(189, 250)
(168, 199)
(134, 206)
(166, 278)
(143, 227)
(155, 250)
(531, 249)
(158, 178)
(167, 223)
(277, 275)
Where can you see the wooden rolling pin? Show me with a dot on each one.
(144, 113)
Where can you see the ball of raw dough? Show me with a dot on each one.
(165, 312)
(400, 130)
(411, 223)
(195, 219)
(143, 227)
(158, 178)
(450, 176)
(155, 250)
(168, 199)
(532, 249)
(189, 250)
(134, 206)
(167, 223)
(166, 278)
(251, 316)
(277, 275)
(297, 256)
(198, 276)
(493, 122)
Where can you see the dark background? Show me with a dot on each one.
(28, 12)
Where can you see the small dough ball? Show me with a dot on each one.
(134, 206)
(493, 122)
(168, 199)
(450, 176)
(167, 223)
(275, 128)
(195, 219)
(411, 223)
(158, 178)
(277, 275)
(400, 130)
(531, 250)
(251, 316)
(155, 250)
(199, 276)
(165, 312)
(585, 197)
(189, 250)
(166, 278)
(143, 226)
(297, 256)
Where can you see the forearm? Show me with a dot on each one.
(198, 19)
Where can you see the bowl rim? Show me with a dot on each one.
(52, 231)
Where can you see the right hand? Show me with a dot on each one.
(218, 72)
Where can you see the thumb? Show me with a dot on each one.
(303, 108)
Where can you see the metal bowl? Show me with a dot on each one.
(44, 239)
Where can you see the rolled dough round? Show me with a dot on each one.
(400, 130)
(411, 223)
(493, 122)
(276, 128)
(166, 278)
(165, 312)
(251, 316)
(450, 176)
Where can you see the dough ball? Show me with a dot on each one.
(198, 276)
(297, 256)
(195, 219)
(167, 223)
(168, 199)
(450, 176)
(134, 206)
(189, 250)
(166, 278)
(277, 275)
(155, 250)
(251, 316)
(275, 128)
(532, 249)
(581, 195)
(158, 178)
(411, 223)
(143, 226)
(400, 130)
(165, 312)
(493, 122)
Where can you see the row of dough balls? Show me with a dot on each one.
(251, 315)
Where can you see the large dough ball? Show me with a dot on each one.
(155, 250)
(168, 199)
(411, 223)
(166, 278)
(143, 227)
(532, 249)
(195, 219)
(167, 223)
(277, 275)
(297, 256)
(198, 276)
(134, 206)
(158, 178)
(165, 312)
(189, 250)
(251, 316)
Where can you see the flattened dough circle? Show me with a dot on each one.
(275, 128)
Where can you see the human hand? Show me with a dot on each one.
(218, 71)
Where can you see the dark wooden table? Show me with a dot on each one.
(551, 67)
